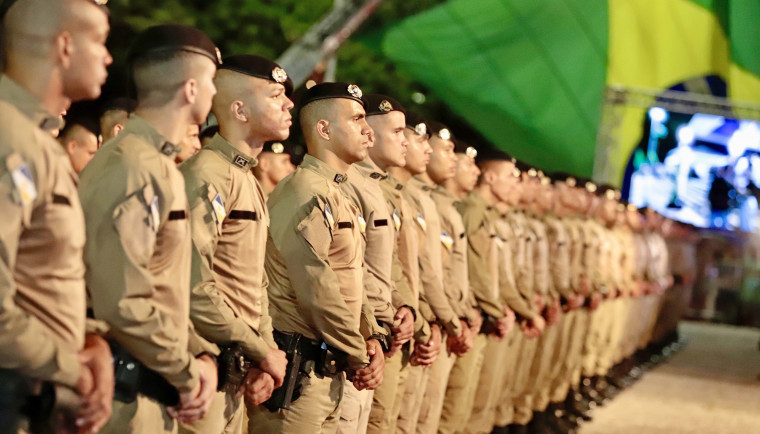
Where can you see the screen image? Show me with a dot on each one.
(700, 169)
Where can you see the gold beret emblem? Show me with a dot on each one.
(218, 55)
(311, 83)
(100, 2)
(545, 180)
(385, 106)
(590, 187)
(354, 91)
(532, 173)
(278, 148)
(516, 173)
(471, 152)
(610, 194)
(571, 182)
(279, 75)
(632, 207)
(420, 129)
(445, 134)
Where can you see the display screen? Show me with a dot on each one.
(698, 168)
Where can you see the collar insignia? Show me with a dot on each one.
(339, 178)
(241, 161)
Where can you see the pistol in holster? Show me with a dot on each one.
(233, 367)
(303, 355)
(132, 377)
(490, 325)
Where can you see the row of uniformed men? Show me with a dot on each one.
(359, 263)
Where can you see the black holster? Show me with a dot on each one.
(233, 367)
(133, 378)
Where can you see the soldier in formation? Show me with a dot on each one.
(398, 280)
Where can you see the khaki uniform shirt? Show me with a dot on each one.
(454, 253)
(482, 253)
(378, 239)
(507, 251)
(575, 234)
(314, 260)
(405, 268)
(229, 221)
(428, 224)
(42, 290)
(560, 262)
(523, 248)
(138, 251)
(541, 257)
(594, 257)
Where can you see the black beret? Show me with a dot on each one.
(417, 123)
(122, 103)
(526, 168)
(462, 147)
(279, 147)
(332, 91)
(209, 132)
(565, 177)
(492, 154)
(260, 67)
(438, 129)
(377, 104)
(168, 38)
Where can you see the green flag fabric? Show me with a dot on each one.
(530, 75)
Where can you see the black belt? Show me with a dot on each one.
(132, 378)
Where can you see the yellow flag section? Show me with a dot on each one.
(656, 44)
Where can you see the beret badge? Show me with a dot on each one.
(445, 134)
(279, 75)
(354, 91)
(420, 129)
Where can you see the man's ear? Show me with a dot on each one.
(190, 90)
(264, 164)
(323, 129)
(64, 48)
(239, 111)
(117, 129)
(71, 146)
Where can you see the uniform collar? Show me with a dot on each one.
(397, 185)
(319, 166)
(140, 127)
(28, 105)
(367, 167)
(477, 199)
(232, 154)
(422, 184)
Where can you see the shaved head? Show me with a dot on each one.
(156, 86)
(314, 112)
(27, 29)
(231, 86)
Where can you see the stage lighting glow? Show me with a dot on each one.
(685, 135)
(658, 115)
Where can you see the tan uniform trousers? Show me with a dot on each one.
(355, 409)
(653, 305)
(596, 339)
(503, 411)
(398, 402)
(412, 394)
(539, 372)
(317, 410)
(381, 417)
(571, 378)
(491, 383)
(523, 377)
(558, 376)
(435, 390)
(144, 415)
(225, 415)
(460, 391)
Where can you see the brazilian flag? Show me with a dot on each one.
(530, 75)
